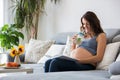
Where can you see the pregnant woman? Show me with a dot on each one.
(88, 53)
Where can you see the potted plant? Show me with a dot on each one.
(9, 36)
(27, 14)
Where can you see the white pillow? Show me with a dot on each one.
(67, 49)
(115, 77)
(54, 51)
(118, 58)
(26, 46)
(109, 55)
(36, 49)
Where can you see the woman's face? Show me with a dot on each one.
(86, 25)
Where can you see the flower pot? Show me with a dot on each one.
(17, 59)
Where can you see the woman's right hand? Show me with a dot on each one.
(74, 38)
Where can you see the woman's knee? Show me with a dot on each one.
(48, 62)
(53, 61)
(56, 62)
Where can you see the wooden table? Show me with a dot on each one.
(20, 69)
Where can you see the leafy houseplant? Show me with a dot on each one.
(9, 36)
(27, 13)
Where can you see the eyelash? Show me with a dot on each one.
(84, 24)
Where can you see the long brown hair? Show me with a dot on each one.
(94, 22)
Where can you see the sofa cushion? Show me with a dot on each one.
(114, 68)
(54, 51)
(111, 33)
(67, 49)
(61, 38)
(118, 57)
(115, 77)
(68, 75)
(116, 38)
(109, 55)
(36, 49)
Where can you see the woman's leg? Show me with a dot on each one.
(47, 64)
(68, 64)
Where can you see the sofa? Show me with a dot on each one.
(109, 73)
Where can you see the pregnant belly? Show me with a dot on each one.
(80, 53)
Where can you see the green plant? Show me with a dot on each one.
(9, 36)
(27, 13)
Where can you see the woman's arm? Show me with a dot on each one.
(73, 46)
(101, 45)
(73, 39)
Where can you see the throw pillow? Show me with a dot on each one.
(118, 57)
(26, 46)
(54, 51)
(114, 68)
(115, 77)
(67, 49)
(116, 38)
(36, 49)
(109, 55)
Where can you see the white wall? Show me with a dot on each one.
(1, 11)
(8, 13)
(65, 16)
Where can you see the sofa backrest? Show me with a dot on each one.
(113, 35)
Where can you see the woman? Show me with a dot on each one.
(88, 53)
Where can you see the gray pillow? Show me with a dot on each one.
(116, 38)
(61, 38)
(114, 68)
(111, 33)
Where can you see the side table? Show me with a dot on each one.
(21, 69)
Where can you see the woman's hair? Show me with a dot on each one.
(93, 21)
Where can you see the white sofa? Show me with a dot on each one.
(113, 35)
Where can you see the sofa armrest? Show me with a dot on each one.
(114, 68)
(115, 77)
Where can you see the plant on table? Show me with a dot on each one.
(17, 52)
(9, 36)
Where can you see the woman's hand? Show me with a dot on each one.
(74, 38)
